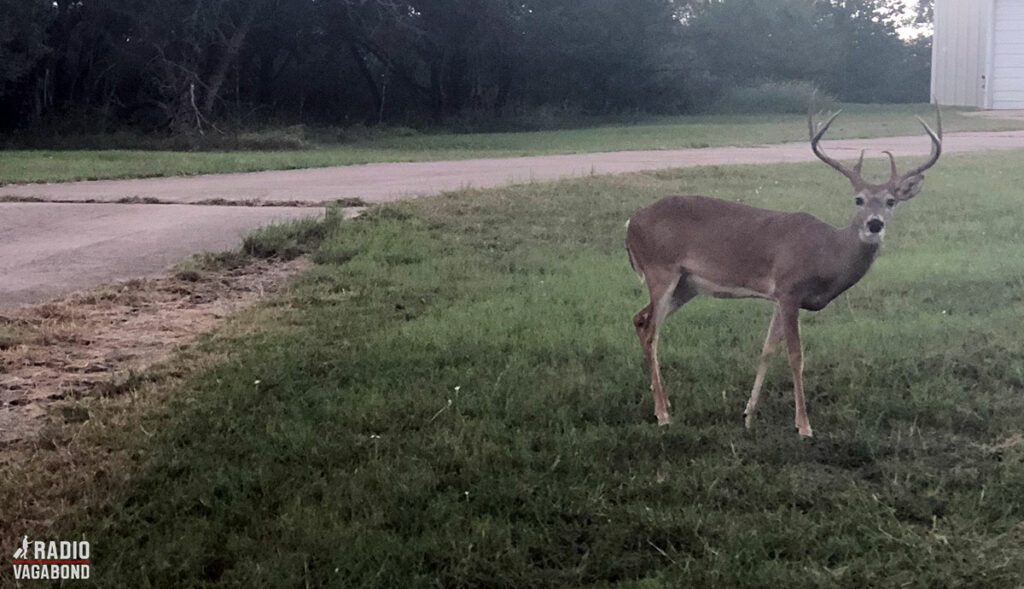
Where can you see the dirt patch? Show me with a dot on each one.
(98, 342)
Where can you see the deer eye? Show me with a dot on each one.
(890, 202)
(858, 201)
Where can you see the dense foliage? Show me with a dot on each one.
(193, 64)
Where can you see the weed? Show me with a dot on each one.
(136, 200)
(13, 335)
(292, 239)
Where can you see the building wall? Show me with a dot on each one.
(1007, 66)
(960, 50)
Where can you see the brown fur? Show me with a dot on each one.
(685, 246)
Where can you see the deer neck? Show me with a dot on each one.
(854, 256)
(847, 261)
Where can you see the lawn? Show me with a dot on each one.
(454, 397)
(658, 133)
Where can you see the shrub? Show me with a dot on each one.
(293, 137)
(774, 97)
(359, 133)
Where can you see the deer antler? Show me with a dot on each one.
(894, 176)
(936, 146)
(854, 174)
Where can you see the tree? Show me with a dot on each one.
(848, 47)
(23, 25)
(186, 65)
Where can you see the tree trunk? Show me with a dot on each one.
(364, 70)
(436, 93)
(227, 58)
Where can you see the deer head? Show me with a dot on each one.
(876, 202)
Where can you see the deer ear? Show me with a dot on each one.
(908, 188)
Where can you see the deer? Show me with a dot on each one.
(687, 246)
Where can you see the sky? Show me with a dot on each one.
(913, 31)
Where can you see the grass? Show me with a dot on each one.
(658, 133)
(289, 240)
(454, 397)
(12, 335)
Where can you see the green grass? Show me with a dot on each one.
(659, 133)
(289, 240)
(454, 397)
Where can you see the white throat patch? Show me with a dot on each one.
(869, 237)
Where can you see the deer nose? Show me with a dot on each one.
(875, 225)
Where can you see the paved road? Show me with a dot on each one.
(387, 182)
(51, 249)
(48, 249)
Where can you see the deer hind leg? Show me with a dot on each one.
(771, 341)
(669, 291)
(790, 315)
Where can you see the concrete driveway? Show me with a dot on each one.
(48, 249)
(393, 181)
(65, 244)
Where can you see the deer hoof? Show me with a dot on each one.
(664, 420)
(805, 432)
(748, 420)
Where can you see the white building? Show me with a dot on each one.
(978, 53)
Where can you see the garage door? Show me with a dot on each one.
(1008, 55)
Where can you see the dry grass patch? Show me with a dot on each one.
(81, 377)
(95, 342)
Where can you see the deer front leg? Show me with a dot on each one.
(667, 295)
(770, 342)
(661, 402)
(647, 330)
(790, 315)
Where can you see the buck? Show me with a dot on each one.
(685, 246)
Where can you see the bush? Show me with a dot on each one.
(774, 97)
(544, 117)
(293, 137)
(359, 132)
